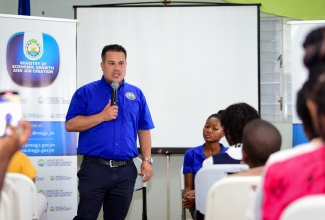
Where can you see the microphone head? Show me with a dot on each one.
(115, 85)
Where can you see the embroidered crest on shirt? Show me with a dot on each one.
(130, 95)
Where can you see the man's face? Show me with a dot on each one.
(114, 67)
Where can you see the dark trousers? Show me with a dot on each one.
(100, 185)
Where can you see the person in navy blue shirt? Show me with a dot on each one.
(108, 139)
(193, 158)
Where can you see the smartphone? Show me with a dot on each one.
(10, 111)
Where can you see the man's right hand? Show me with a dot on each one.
(110, 112)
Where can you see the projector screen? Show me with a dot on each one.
(190, 62)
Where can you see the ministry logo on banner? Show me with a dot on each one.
(33, 59)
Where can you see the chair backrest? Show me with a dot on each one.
(232, 198)
(182, 180)
(207, 176)
(138, 183)
(9, 201)
(27, 195)
(308, 207)
(6, 206)
(182, 190)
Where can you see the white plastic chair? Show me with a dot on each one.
(232, 198)
(5, 206)
(9, 201)
(207, 176)
(308, 207)
(182, 190)
(139, 185)
(27, 195)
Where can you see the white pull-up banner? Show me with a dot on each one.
(38, 59)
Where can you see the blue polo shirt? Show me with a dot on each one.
(194, 158)
(115, 139)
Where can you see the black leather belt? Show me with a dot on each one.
(111, 163)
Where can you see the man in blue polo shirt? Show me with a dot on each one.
(108, 139)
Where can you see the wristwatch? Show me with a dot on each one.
(149, 159)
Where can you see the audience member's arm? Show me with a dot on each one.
(10, 144)
(189, 192)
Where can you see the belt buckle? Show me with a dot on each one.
(111, 163)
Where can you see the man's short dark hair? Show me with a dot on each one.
(113, 48)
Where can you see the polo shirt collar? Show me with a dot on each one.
(109, 85)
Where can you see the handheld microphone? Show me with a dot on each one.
(114, 86)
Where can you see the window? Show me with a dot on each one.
(275, 82)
